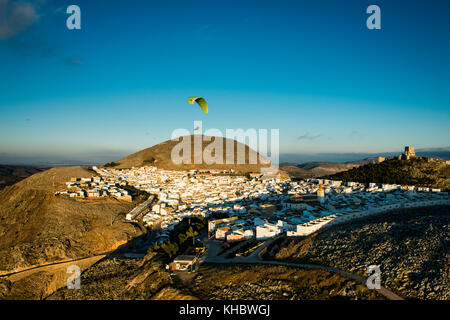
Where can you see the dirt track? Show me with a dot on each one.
(53, 267)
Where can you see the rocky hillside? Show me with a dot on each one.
(38, 228)
(118, 278)
(124, 279)
(160, 156)
(411, 249)
(146, 279)
(418, 171)
(246, 282)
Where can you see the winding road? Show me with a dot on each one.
(254, 259)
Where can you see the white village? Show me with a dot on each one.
(255, 206)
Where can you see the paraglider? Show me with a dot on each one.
(200, 101)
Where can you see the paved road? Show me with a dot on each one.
(383, 291)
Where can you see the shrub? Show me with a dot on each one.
(110, 164)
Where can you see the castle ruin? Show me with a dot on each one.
(408, 154)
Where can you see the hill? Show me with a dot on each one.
(316, 169)
(11, 174)
(160, 156)
(38, 228)
(440, 153)
(418, 171)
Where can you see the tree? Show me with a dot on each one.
(170, 248)
(182, 238)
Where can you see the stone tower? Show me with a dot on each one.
(409, 152)
(321, 194)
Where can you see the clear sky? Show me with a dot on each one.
(311, 69)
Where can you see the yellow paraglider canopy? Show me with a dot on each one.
(200, 101)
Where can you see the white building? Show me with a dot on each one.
(267, 231)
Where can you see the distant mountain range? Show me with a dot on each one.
(100, 157)
(320, 168)
(12, 174)
(442, 153)
(81, 159)
(307, 166)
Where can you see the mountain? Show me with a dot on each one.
(12, 174)
(38, 228)
(317, 169)
(418, 171)
(441, 153)
(160, 156)
(64, 159)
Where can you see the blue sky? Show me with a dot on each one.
(308, 68)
